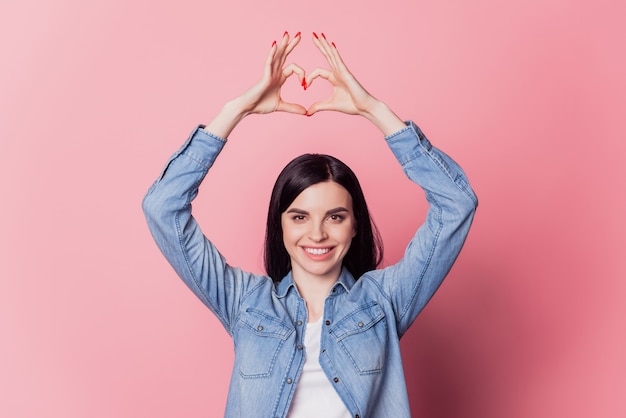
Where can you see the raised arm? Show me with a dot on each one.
(412, 281)
(167, 205)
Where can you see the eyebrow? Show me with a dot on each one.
(328, 212)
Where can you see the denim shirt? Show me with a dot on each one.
(363, 319)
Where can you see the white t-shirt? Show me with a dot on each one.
(315, 396)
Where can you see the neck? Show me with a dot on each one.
(314, 290)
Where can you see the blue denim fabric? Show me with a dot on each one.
(363, 319)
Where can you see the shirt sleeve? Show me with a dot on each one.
(167, 207)
(412, 281)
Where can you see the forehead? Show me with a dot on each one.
(324, 195)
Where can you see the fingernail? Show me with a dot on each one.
(297, 34)
(273, 43)
(323, 36)
(285, 34)
(308, 115)
(333, 44)
(315, 34)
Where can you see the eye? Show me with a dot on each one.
(298, 218)
(336, 218)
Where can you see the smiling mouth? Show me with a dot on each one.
(317, 251)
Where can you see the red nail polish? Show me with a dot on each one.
(323, 36)
(333, 44)
(285, 34)
(297, 34)
(273, 43)
(315, 34)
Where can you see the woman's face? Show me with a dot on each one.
(318, 228)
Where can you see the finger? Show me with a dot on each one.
(326, 45)
(295, 41)
(325, 48)
(318, 72)
(294, 68)
(269, 60)
(284, 41)
(291, 108)
(279, 55)
(331, 49)
(334, 52)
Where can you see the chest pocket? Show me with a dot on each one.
(362, 334)
(258, 342)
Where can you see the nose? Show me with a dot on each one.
(317, 233)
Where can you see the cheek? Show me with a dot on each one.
(286, 238)
(348, 233)
(290, 234)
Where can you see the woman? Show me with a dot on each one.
(318, 336)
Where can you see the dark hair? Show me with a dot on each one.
(366, 250)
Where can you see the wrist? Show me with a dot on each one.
(383, 118)
(236, 109)
(227, 119)
(372, 107)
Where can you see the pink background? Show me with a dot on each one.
(528, 96)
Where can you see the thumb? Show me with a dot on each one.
(318, 107)
(291, 108)
(322, 104)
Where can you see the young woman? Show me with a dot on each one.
(318, 336)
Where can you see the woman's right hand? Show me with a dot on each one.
(265, 95)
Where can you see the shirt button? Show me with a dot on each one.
(289, 381)
(299, 347)
(360, 324)
(336, 380)
(260, 327)
(327, 322)
(299, 322)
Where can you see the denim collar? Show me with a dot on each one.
(345, 280)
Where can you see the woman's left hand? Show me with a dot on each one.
(348, 95)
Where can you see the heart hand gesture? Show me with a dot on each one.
(348, 95)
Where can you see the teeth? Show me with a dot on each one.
(317, 251)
